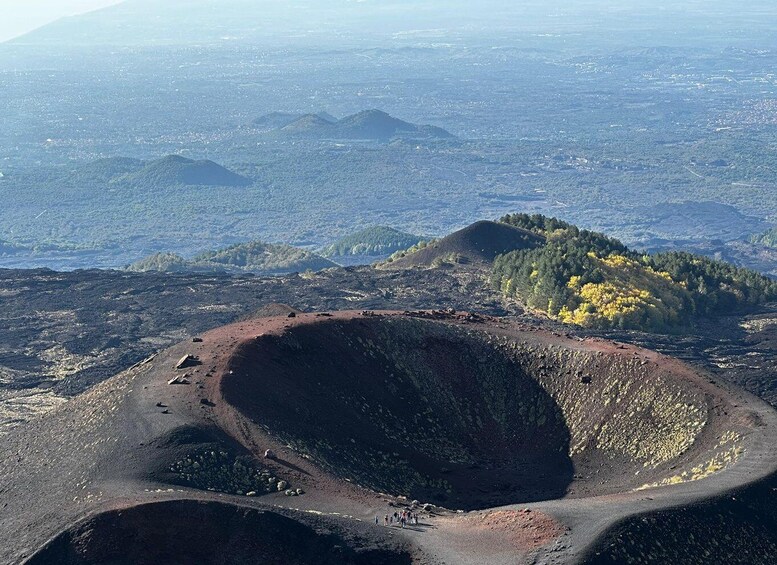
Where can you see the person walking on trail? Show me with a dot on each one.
(376, 520)
(385, 520)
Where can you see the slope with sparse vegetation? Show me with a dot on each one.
(252, 257)
(767, 238)
(377, 240)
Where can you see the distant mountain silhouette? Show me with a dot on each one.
(367, 125)
(202, 22)
(309, 124)
(375, 124)
(277, 120)
(177, 170)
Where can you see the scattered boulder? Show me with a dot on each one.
(281, 485)
(269, 454)
(187, 361)
(178, 380)
(196, 340)
(585, 380)
(300, 491)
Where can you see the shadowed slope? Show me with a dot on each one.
(407, 407)
(738, 528)
(207, 533)
(478, 243)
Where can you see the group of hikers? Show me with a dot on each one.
(401, 519)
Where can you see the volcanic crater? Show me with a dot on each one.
(299, 429)
(471, 419)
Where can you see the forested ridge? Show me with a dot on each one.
(592, 280)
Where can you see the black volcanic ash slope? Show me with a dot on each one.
(738, 528)
(479, 243)
(188, 531)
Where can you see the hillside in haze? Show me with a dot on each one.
(107, 169)
(254, 257)
(369, 124)
(177, 170)
(172, 170)
(277, 120)
(153, 22)
(183, 21)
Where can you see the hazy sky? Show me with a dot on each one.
(20, 16)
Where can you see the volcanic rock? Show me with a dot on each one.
(187, 361)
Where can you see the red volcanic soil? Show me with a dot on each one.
(504, 531)
(367, 413)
